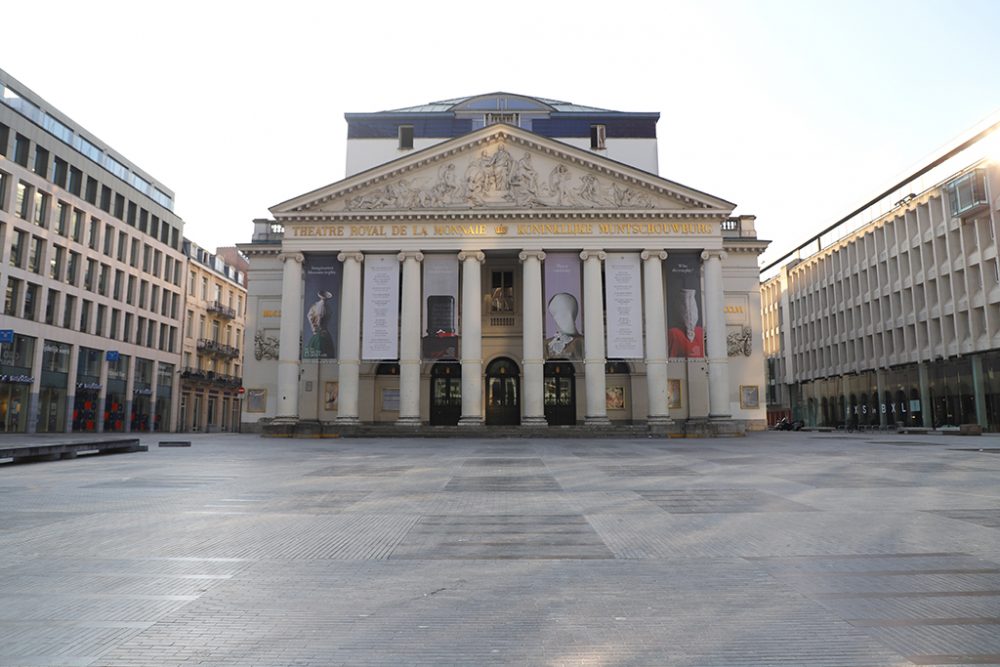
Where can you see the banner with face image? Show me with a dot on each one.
(563, 306)
(685, 335)
(321, 310)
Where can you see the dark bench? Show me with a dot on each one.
(70, 450)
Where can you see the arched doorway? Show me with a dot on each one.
(446, 393)
(503, 389)
(560, 394)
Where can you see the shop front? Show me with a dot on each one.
(52, 395)
(15, 383)
(142, 394)
(88, 389)
(114, 399)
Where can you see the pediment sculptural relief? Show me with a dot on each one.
(501, 179)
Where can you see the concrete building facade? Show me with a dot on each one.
(501, 260)
(91, 276)
(892, 317)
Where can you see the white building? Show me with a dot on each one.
(504, 260)
(91, 273)
(891, 317)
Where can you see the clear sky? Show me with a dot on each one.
(797, 110)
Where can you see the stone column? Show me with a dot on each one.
(532, 336)
(349, 344)
(129, 395)
(154, 383)
(881, 406)
(593, 337)
(715, 334)
(656, 336)
(74, 359)
(409, 340)
(472, 338)
(290, 336)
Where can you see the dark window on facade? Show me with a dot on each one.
(4, 138)
(21, 147)
(598, 135)
(41, 161)
(502, 292)
(405, 137)
(75, 181)
(131, 213)
(59, 172)
(106, 199)
(91, 194)
(120, 207)
(143, 220)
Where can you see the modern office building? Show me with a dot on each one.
(503, 259)
(892, 315)
(214, 322)
(91, 273)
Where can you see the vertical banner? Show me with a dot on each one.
(380, 336)
(321, 311)
(685, 336)
(623, 288)
(563, 321)
(440, 307)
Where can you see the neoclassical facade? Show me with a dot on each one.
(503, 277)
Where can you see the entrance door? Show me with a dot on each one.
(503, 388)
(560, 394)
(446, 394)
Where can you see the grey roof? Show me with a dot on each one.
(442, 106)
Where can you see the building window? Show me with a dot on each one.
(120, 206)
(73, 267)
(106, 199)
(127, 329)
(62, 218)
(69, 303)
(41, 209)
(84, 315)
(3, 191)
(79, 220)
(10, 297)
(60, 169)
(99, 324)
(50, 306)
(130, 291)
(75, 181)
(4, 138)
(30, 292)
(967, 193)
(21, 148)
(122, 246)
(94, 233)
(55, 264)
(35, 254)
(502, 294)
(133, 259)
(41, 162)
(405, 137)
(23, 201)
(115, 317)
(508, 118)
(204, 288)
(598, 135)
(17, 248)
(88, 277)
(91, 193)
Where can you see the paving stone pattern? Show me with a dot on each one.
(775, 549)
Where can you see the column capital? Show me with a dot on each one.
(477, 255)
(410, 254)
(600, 255)
(721, 254)
(294, 256)
(656, 253)
(356, 256)
(525, 254)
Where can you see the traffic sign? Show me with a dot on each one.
(6, 335)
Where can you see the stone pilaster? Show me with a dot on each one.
(409, 340)
(350, 338)
(289, 338)
(656, 337)
(532, 325)
(472, 338)
(593, 337)
(715, 334)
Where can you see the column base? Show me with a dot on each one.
(285, 420)
(348, 421)
(470, 421)
(712, 417)
(659, 420)
(600, 420)
(534, 421)
(408, 421)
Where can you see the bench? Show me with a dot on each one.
(70, 450)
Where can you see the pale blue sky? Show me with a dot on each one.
(798, 111)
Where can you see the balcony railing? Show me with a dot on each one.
(210, 377)
(220, 349)
(219, 309)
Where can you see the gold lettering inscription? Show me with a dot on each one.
(733, 309)
(654, 228)
(555, 229)
(459, 230)
(270, 313)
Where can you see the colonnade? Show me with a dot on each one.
(533, 361)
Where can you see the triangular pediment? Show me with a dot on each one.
(501, 168)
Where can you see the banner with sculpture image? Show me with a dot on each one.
(321, 310)
(563, 317)
(380, 334)
(623, 288)
(685, 335)
(440, 307)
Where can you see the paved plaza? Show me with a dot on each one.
(775, 549)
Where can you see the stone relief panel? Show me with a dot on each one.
(497, 178)
(740, 342)
(264, 346)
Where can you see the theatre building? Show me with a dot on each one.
(504, 260)
(891, 317)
